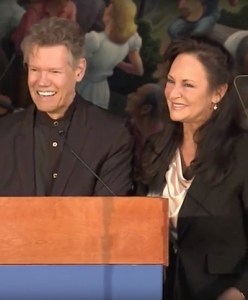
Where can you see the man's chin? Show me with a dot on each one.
(45, 108)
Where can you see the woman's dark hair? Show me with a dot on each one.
(216, 138)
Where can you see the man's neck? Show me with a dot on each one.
(58, 114)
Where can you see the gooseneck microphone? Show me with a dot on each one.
(238, 92)
(63, 134)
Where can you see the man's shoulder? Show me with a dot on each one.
(12, 121)
(105, 126)
(98, 117)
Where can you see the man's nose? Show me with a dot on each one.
(43, 79)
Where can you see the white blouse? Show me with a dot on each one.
(176, 188)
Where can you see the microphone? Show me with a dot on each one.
(63, 134)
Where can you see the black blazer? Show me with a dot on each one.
(103, 142)
(211, 252)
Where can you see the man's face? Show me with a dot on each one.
(52, 79)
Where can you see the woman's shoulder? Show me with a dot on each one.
(242, 139)
(241, 146)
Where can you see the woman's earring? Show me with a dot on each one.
(215, 106)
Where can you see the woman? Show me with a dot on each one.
(200, 164)
(107, 49)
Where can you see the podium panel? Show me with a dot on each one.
(83, 248)
(75, 282)
(83, 231)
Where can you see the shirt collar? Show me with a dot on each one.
(42, 118)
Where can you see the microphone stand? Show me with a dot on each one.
(238, 93)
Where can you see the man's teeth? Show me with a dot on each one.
(46, 94)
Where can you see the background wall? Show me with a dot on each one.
(153, 19)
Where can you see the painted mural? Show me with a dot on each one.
(152, 25)
(159, 22)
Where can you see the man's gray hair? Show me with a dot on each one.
(53, 32)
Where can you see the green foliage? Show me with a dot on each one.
(124, 83)
(236, 20)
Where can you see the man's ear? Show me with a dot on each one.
(81, 68)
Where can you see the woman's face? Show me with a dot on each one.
(188, 94)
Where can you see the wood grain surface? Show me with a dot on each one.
(83, 230)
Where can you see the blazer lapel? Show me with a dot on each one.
(193, 204)
(157, 184)
(76, 139)
(24, 147)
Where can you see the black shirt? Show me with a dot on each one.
(48, 145)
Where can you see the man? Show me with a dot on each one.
(36, 11)
(145, 107)
(41, 147)
(209, 16)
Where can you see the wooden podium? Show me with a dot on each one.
(82, 232)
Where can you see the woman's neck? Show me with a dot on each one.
(189, 131)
